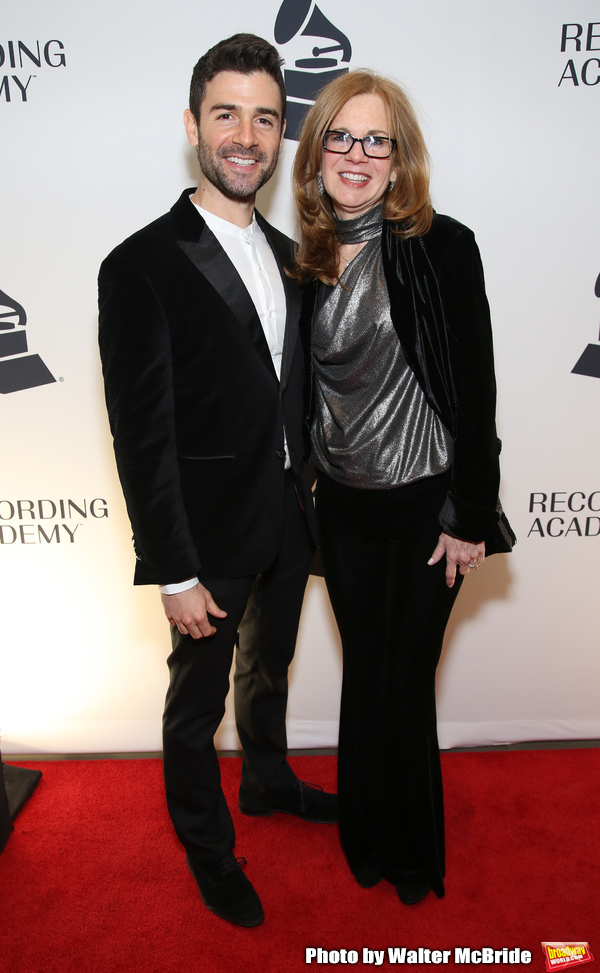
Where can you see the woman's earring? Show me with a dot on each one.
(320, 184)
(391, 185)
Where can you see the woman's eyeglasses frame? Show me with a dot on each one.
(366, 138)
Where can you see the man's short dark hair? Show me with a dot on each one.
(245, 53)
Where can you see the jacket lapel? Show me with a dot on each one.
(293, 297)
(418, 316)
(201, 246)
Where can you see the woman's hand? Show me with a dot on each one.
(463, 555)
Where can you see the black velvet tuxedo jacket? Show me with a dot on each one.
(441, 314)
(195, 407)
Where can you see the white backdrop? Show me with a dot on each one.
(91, 99)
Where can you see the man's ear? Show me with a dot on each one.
(191, 127)
(283, 124)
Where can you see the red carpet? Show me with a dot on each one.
(93, 880)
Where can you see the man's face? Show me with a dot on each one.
(240, 133)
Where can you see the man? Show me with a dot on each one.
(204, 385)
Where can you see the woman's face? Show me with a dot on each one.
(356, 182)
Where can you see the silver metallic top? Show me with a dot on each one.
(373, 427)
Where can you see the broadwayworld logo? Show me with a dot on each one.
(296, 20)
(559, 955)
(18, 369)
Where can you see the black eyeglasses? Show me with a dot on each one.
(374, 146)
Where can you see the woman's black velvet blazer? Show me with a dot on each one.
(441, 315)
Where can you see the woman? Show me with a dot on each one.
(404, 442)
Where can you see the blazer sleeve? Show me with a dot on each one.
(135, 348)
(470, 510)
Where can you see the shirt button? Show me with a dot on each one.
(280, 453)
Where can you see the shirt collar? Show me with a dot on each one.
(218, 225)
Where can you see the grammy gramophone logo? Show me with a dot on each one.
(296, 20)
(18, 369)
(589, 363)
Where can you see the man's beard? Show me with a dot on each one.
(234, 185)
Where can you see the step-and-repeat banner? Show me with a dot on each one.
(93, 147)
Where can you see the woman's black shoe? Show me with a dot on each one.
(414, 891)
(367, 873)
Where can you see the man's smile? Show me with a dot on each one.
(241, 161)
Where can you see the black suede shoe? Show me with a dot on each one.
(307, 801)
(413, 891)
(366, 872)
(225, 890)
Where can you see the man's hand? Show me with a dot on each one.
(189, 611)
(463, 555)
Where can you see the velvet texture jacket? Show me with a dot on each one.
(195, 407)
(441, 315)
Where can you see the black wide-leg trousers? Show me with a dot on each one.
(265, 611)
(392, 609)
